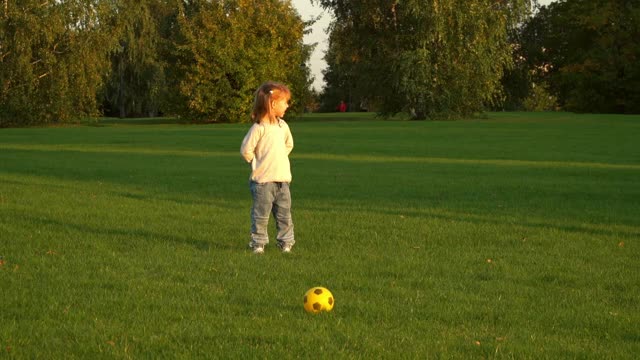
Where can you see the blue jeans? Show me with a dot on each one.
(275, 198)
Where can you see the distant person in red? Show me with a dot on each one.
(342, 107)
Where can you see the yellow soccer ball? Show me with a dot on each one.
(318, 299)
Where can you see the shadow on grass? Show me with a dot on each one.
(528, 224)
(195, 200)
(130, 233)
(181, 176)
(483, 220)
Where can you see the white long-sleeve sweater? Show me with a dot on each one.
(267, 146)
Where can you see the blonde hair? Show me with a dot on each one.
(266, 94)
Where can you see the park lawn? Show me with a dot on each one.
(512, 236)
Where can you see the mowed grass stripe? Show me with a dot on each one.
(328, 157)
(115, 150)
(492, 162)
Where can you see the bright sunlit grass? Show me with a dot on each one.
(514, 236)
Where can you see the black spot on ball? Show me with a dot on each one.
(317, 291)
(317, 306)
(331, 300)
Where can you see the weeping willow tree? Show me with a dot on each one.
(432, 59)
(137, 85)
(52, 60)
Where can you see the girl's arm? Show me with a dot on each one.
(288, 140)
(248, 147)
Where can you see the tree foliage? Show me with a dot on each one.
(433, 59)
(52, 59)
(224, 50)
(339, 77)
(586, 52)
(199, 59)
(137, 85)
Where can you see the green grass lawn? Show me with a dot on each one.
(514, 236)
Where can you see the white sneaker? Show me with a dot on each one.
(286, 248)
(258, 249)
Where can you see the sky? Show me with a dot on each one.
(319, 35)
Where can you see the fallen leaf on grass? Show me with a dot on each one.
(621, 244)
(477, 343)
(51, 252)
(111, 342)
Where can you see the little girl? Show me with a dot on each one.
(266, 147)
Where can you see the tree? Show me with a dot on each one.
(432, 59)
(587, 53)
(52, 60)
(224, 50)
(137, 83)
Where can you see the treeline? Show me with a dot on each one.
(449, 58)
(61, 60)
(69, 59)
(578, 55)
